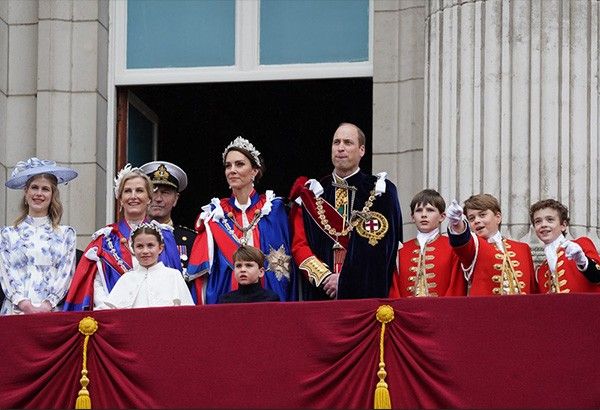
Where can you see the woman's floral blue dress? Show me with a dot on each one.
(37, 263)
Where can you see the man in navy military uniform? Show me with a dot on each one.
(169, 180)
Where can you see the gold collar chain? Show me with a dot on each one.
(353, 221)
(243, 240)
(244, 229)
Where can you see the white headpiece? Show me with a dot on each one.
(127, 169)
(243, 143)
(155, 226)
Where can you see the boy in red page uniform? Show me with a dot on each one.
(426, 264)
(492, 264)
(570, 265)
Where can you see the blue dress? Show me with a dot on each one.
(37, 263)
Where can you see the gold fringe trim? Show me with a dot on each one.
(385, 314)
(87, 327)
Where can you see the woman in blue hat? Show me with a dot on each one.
(37, 253)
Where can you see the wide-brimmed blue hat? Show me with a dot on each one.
(34, 166)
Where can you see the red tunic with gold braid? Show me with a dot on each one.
(495, 272)
(568, 278)
(434, 272)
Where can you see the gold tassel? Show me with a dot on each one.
(385, 314)
(87, 327)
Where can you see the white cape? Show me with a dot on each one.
(156, 286)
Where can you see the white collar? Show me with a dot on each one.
(336, 176)
(217, 213)
(243, 207)
(553, 246)
(425, 237)
(38, 221)
(497, 240)
(157, 266)
(495, 237)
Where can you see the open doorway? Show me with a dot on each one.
(290, 122)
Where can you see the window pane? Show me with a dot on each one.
(140, 137)
(180, 33)
(314, 31)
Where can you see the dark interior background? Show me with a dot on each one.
(290, 122)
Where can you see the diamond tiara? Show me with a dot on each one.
(243, 143)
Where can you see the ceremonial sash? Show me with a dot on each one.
(81, 292)
(334, 219)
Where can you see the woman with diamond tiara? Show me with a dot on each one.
(37, 254)
(245, 218)
(108, 256)
(151, 283)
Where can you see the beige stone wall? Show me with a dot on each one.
(469, 96)
(398, 75)
(512, 106)
(53, 79)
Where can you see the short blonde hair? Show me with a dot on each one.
(135, 173)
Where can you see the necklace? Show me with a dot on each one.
(245, 229)
(354, 219)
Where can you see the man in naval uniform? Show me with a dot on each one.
(346, 227)
(169, 180)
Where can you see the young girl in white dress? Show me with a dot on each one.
(151, 283)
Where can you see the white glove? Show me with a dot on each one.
(574, 252)
(454, 212)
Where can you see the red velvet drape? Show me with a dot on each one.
(522, 351)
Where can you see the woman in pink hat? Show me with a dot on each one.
(37, 254)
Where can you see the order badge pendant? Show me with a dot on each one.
(373, 228)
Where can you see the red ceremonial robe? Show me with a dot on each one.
(486, 263)
(443, 273)
(569, 277)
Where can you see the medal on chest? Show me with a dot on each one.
(373, 227)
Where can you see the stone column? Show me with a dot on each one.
(18, 88)
(512, 106)
(398, 61)
(53, 100)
